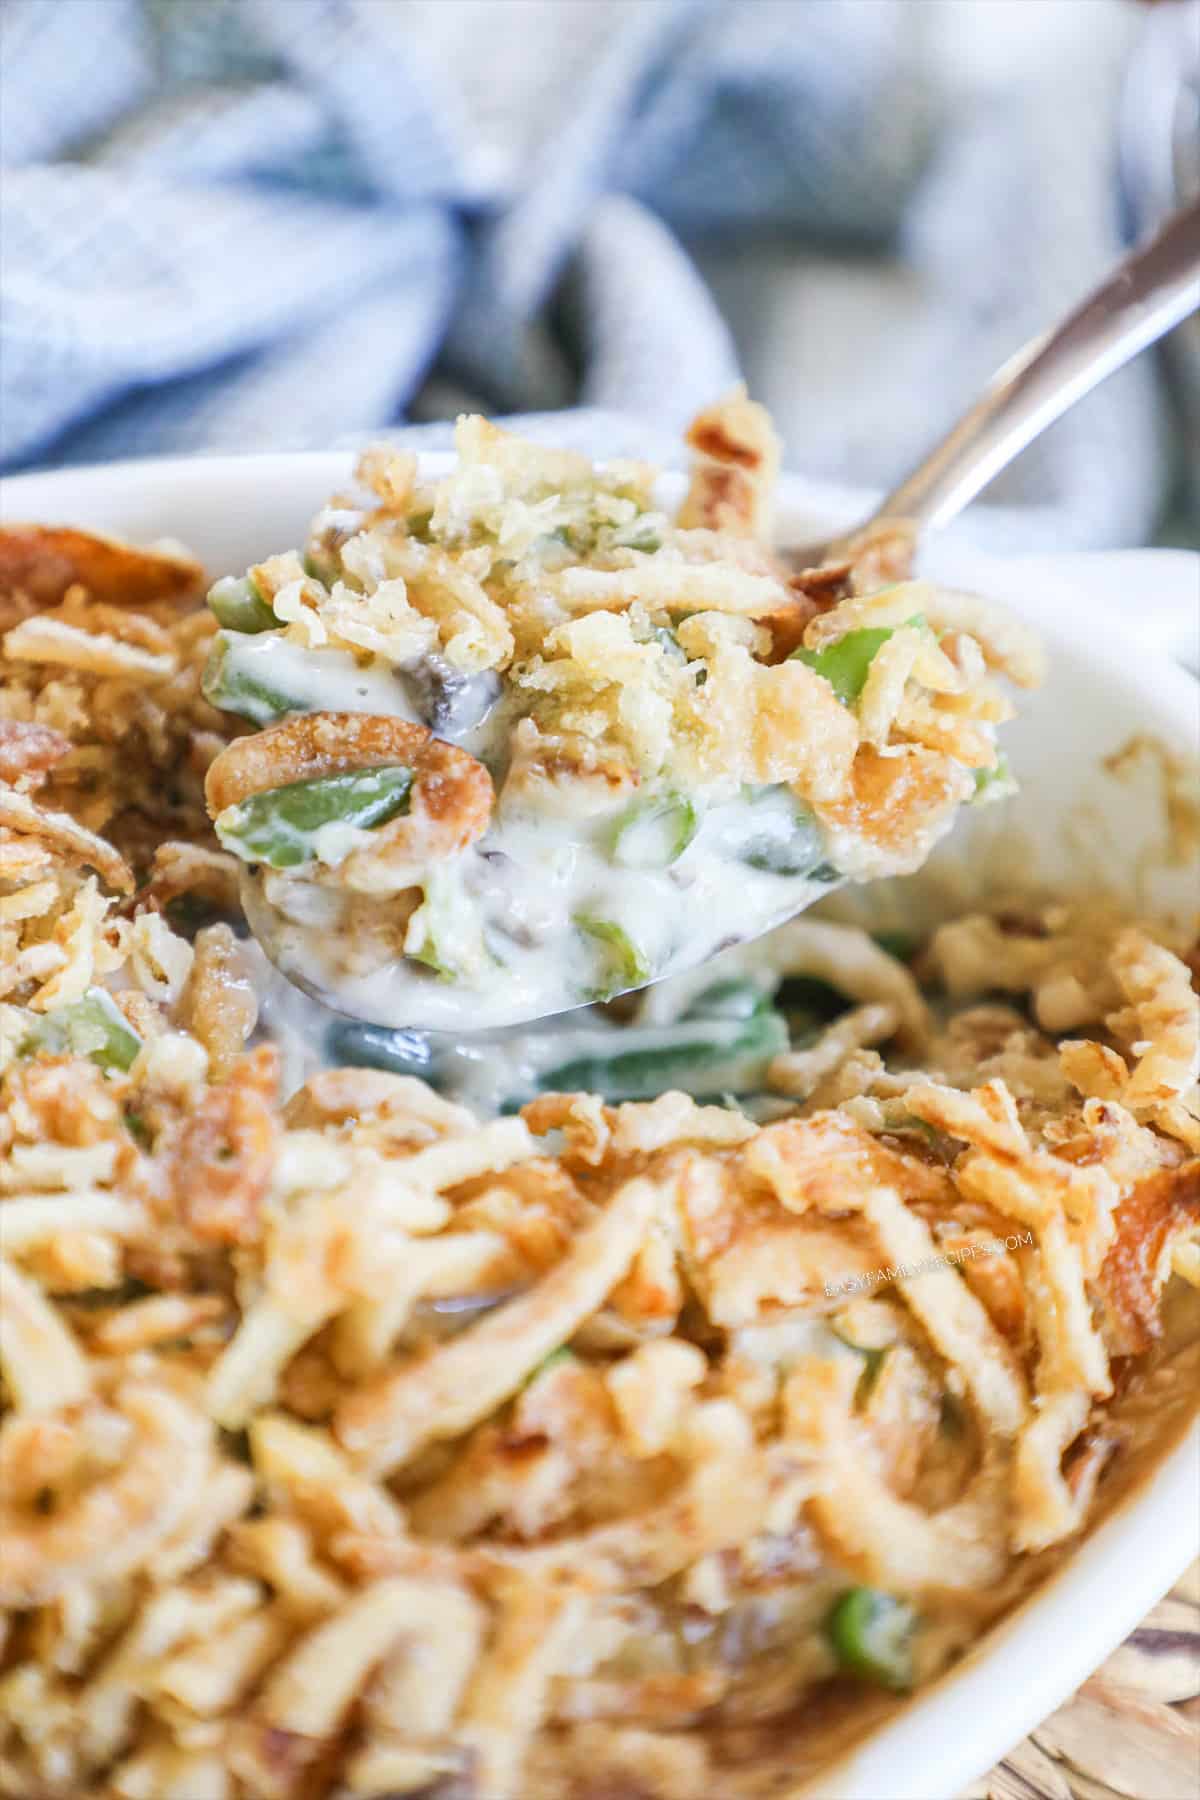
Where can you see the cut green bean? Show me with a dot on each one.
(238, 605)
(810, 1004)
(871, 1634)
(138, 1129)
(232, 689)
(280, 826)
(555, 1360)
(952, 1420)
(903, 945)
(733, 999)
(445, 933)
(654, 832)
(398, 1049)
(666, 638)
(993, 784)
(772, 831)
(874, 1357)
(94, 1027)
(642, 534)
(846, 662)
(323, 564)
(628, 963)
(706, 1058)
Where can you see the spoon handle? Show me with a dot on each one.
(1152, 290)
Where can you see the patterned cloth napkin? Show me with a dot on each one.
(268, 223)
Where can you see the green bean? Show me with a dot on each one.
(94, 1027)
(873, 1355)
(706, 1058)
(871, 1635)
(772, 831)
(278, 825)
(736, 998)
(669, 643)
(809, 1002)
(627, 961)
(993, 784)
(446, 929)
(555, 1360)
(654, 832)
(138, 1129)
(903, 945)
(239, 605)
(846, 662)
(639, 536)
(952, 1421)
(322, 564)
(399, 1049)
(230, 688)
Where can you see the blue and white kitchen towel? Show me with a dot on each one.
(274, 223)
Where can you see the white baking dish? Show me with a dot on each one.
(1109, 621)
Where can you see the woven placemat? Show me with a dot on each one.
(1131, 1732)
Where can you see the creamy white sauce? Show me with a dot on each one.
(507, 921)
(332, 680)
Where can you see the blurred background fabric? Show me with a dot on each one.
(254, 224)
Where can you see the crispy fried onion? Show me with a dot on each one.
(436, 1629)
(60, 644)
(1070, 1211)
(337, 1227)
(28, 751)
(449, 807)
(60, 833)
(444, 1392)
(223, 1164)
(884, 1540)
(1161, 1213)
(1160, 1027)
(844, 956)
(110, 1525)
(723, 1498)
(415, 1694)
(1161, 1024)
(42, 1365)
(1008, 644)
(507, 1699)
(734, 469)
(39, 563)
(837, 1166)
(800, 1072)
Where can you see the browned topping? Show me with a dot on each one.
(224, 1160)
(787, 624)
(28, 751)
(448, 786)
(712, 438)
(219, 1003)
(738, 457)
(894, 800)
(881, 554)
(60, 833)
(40, 564)
(1131, 1279)
(193, 869)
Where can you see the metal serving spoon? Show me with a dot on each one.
(1155, 288)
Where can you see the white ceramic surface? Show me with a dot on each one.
(1108, 621)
